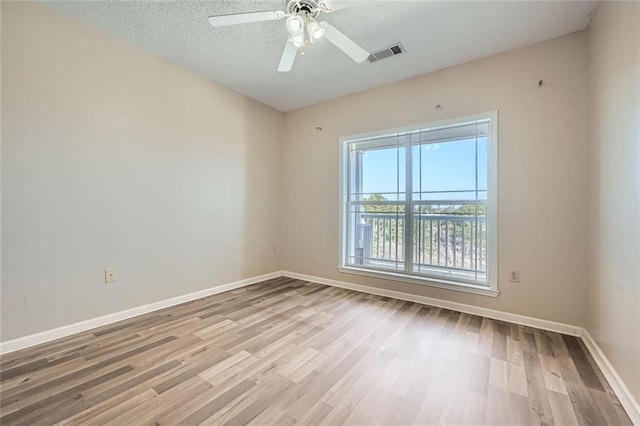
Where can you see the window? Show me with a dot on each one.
(419, 204)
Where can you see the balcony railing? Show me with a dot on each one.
(451, 242)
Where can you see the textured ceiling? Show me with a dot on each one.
(435, 34)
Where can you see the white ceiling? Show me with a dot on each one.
(435, 34)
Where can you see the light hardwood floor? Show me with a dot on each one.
(287, 351)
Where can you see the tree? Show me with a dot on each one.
(384, 208)
(387, 222)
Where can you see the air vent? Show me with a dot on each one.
(387, 52)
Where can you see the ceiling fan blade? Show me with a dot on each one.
(344, 43)
(245, 18)
(288, 57)
(329, 6)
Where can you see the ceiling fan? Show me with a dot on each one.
(303, 28)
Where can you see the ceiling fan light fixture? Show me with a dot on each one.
(295, 24)
(302, 24)
(297, 40)
(316, 31)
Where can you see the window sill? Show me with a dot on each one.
(426, 281)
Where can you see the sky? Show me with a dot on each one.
(448, 166)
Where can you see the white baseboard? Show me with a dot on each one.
(617, 384)
(79, 327)
(572, 330)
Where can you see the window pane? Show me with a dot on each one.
(446, 169)
(377, 169)
(451, 163)
(450, 240)
(376, 234)
(384, 173)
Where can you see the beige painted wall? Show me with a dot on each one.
(112, 157)
(542, 166)
(613, 292)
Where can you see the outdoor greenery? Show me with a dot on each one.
(438, 242)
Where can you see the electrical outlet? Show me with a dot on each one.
(273, 250)
(514, 276)
(109, 275)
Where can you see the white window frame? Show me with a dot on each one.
(491, 289)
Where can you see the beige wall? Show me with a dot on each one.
(542, 166)
(613, 292)
(112, 157)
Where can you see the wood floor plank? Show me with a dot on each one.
(84, 403)
(540, 408)
(518, 409)
(499, 348)
(198, 396)
(563, 413)
(215, 405)
(552, 374)
(613, 413)
(75, 377)
(267, 396)
(24, 369)
(347, 392)
(287, 351)
(475, 409)
(191, 370)
(32, 410)
(106, 415)
(585, 368)
(316, 415)
(498, 374)
(497, 407)
(584, 406)
(173, 399)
